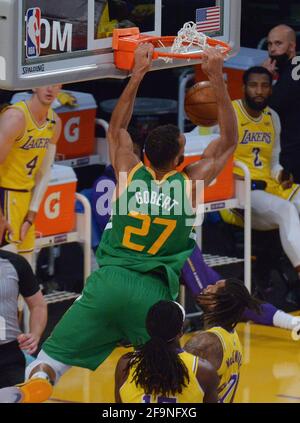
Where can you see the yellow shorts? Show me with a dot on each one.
(275, 188)
(15, 205)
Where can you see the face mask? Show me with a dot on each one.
(281, 60)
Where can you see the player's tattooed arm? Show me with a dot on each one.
(207, 346)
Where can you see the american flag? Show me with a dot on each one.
(208, 19)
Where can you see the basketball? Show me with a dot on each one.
(200, 104)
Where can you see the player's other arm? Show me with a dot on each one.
(121, 375)
(208, 380)
(118, 141)
(41, 180)
(207, 347)
(12, 126)
(220, 150)
(38, 320)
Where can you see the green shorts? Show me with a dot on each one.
(113, 307)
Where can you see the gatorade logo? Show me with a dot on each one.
(71, 129)
(52, 205)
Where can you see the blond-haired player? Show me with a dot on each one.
(28, 135)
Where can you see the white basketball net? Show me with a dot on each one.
(188, 40)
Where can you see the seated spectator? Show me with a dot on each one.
(275, 199)
(16, 277)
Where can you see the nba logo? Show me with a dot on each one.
(33, 32)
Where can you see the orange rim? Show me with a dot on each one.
(168, 41)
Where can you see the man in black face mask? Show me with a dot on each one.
(285, 99)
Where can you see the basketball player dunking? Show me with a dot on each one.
(143, 247)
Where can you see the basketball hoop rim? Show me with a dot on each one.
(168, 41)
(125, 42)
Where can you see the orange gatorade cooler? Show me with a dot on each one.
(222, 188)
(57, 210)
(77, 137)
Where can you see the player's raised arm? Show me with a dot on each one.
(218, 152)
(122, 113)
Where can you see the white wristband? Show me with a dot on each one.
(42, 179)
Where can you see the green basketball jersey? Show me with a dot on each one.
(151, 228)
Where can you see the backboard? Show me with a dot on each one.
(45, 42)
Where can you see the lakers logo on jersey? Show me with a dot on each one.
(249, 137)
(35, 143)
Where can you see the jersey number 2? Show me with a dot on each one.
(169, 224)
(257, 161)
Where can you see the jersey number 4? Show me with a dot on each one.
(31, 165)
(169, 224)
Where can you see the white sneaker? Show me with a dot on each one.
(12, 394)
(33, 391)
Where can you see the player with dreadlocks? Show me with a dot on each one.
(223, 304)
(160, 371)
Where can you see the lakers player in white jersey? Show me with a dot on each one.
(275, 199)
(28, 135)
(223, 304)
(160, 371)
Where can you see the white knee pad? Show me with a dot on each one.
(43, 358)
